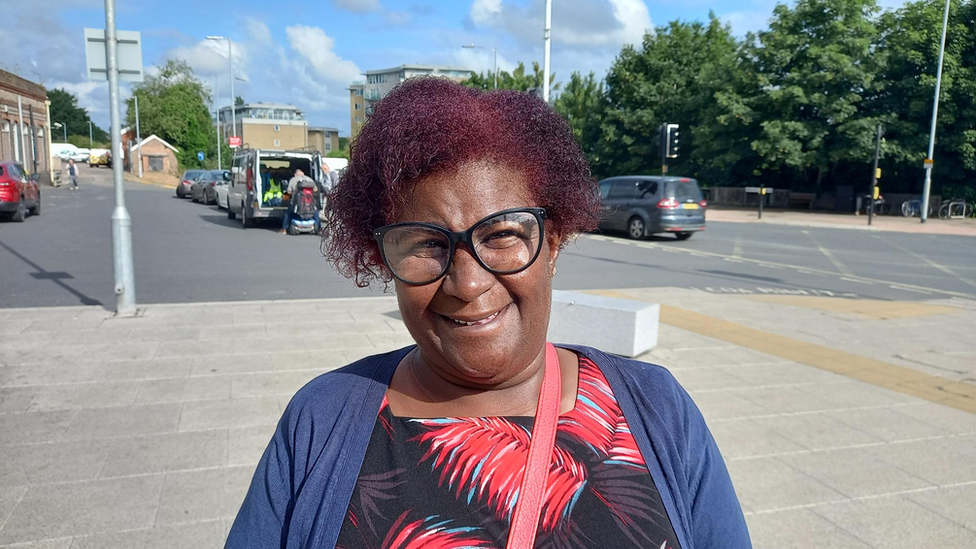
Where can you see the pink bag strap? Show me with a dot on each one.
(525, 520)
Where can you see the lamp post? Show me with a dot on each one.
(927, 188)
(548, 40)
(233, 98)
(494, 52)
(64, 127)
(91, 142)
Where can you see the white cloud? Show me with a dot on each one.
(581, 24)
(208, 58)
(358, 5)
(316, 47)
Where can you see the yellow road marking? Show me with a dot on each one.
(881, 310)
(937, 389)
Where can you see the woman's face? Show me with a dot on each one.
(493, 352)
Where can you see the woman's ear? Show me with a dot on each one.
(555, 246)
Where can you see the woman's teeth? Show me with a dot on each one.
(476, 322)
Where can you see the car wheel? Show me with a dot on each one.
(635, 228)
(179, 192)
(36, 210)
(683, 236)
(21, 213)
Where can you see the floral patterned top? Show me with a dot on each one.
(453, 482)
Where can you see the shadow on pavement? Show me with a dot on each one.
(57, 277)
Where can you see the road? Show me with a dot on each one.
(187, 252)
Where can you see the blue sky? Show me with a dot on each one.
(306, 52)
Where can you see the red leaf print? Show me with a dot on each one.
(594, 418)
(623, 448)
(483, 459)
(432, 532)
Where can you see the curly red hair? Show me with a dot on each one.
(430, 125)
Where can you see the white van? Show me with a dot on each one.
(254, 171)
(63, 150)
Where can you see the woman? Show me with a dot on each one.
(464, 200)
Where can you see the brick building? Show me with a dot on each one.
(267, 125)
(324, 140)
(25, 135)
(157, 156)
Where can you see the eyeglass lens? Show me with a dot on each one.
(505, 243)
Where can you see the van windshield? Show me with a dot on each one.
(683, 191)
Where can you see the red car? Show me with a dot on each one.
(19, 194)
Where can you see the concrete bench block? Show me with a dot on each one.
(622, 327)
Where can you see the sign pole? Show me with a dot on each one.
(927, 188)
(121, 222)
(138, 134)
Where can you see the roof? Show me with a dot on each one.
(322, 129)
(157, 138)
(262, 106)
(421, 67)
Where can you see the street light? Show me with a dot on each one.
(91, 142)
(935, 116)
(233, 98)
(494, 52)
(64, 127)
(547, 39)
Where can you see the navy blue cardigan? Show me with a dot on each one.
(301, 489)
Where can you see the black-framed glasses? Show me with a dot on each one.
(505, 242)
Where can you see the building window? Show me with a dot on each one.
(359, 106)
(328, 147)
(5, 127)
(277, 142)
(277, 128)
(40, 131)
(359, 119)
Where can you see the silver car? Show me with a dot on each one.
(642, 205)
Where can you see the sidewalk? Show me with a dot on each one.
(958, 227)
(844, 423)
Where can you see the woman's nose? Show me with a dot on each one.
(466, 279)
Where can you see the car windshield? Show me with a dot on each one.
(220, 175)
(685, 190)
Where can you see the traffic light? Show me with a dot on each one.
(673, 140)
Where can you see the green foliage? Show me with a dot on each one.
(796, 104)
(173, 105)
(65, 110)
(670, 79)
(516, 80)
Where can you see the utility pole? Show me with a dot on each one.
(91, 142)
(217, 115)
(233, 98)
(548, 40)
(138, 134)
(125, 288)
(873, 191)
(664, 149)
(929, 161)
(20, 131)
(495, 65)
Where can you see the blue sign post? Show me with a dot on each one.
(200, 157)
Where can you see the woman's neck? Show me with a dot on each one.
(420, 390)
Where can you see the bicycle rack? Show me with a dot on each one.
(957, 210)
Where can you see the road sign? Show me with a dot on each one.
(757, 190)
(129, 55)
(200, 156)
(234, 141)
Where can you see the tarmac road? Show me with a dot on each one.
(187, 252)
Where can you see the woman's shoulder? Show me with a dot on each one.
(631, 371)
(331, 391)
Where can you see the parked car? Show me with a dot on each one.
(220, 189)
(255, 172)
(198, 191)
(20, 195)
(183, 189)
(643, 205)
(100, 157)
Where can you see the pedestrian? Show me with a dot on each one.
(481, 434)
(73, 174)
(292, 190)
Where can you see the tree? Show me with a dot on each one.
(910, 39)
(516, 80)
(582, 103)
(173, 105)
(816, 67)
(238, 101)
(669, 79)
(65, 110)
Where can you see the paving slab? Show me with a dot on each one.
(144, 432)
